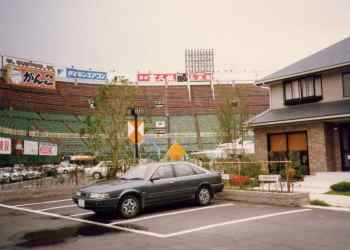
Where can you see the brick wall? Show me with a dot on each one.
(316, 135)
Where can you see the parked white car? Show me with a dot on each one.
(65, 167)
(4, 177)
(16, 176)
(99, 171)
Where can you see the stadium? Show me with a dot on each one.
(47, 114)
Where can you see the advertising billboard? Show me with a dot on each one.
(30, 74)
(156, 77)
(47, 149)
(200, 77)
(174, 77)
(31, 147)
(72, 73)
(5, 146)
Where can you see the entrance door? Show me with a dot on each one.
(345, 147)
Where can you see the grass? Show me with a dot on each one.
(319, 203)
(339, 193)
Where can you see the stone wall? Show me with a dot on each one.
(270, 198)
(316, 136)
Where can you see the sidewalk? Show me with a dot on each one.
(320, 183)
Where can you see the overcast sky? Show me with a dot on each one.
(133, 35)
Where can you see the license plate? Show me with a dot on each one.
(81, 203)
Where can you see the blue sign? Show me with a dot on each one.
(86, 74)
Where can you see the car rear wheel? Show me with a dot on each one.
(97, 176)
(203, 196)
(129, 206)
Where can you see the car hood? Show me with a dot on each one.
(112, 186)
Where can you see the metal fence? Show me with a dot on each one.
(254, 175)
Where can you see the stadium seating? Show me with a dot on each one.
(64, 109)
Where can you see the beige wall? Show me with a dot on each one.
(277, 99)
(332, 85)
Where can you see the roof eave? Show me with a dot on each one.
(320, 118)
(267, 81)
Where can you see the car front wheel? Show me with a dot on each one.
(97, 176)
(203, 196)
(129, 206)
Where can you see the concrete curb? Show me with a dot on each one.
(269, 198)
(342, 209)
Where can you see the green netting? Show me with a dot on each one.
(22, 114)
(75, 126)
(71, 146)
(59, 117)
(182, 124)
(207, 123)
(53, 126)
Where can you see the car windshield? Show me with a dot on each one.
(140, 172)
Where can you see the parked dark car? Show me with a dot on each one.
(151, 185)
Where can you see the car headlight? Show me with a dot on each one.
(78, 193)
(99, 195)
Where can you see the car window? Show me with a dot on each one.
(163, 172)
(197, 170)
(183, 170)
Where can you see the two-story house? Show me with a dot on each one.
(309, 115)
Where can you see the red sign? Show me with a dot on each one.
(5, 146)
(157, 77)
(199, 76)
(47, 149)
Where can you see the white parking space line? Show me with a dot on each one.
(81, 214)
(234, 222)
(130, 230)
(54, 208)
(44, 202)
(171, 213)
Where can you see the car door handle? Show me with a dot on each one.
(171, 182)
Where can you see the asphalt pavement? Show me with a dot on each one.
(59, 224)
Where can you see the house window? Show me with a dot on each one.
(304, 90)
(346, 84)
(288, 146)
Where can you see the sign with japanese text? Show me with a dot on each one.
(86, 74)
(199, 76)
(31, 147)
(156, 77)
(28, 73)
(5, 146)
(47, 149)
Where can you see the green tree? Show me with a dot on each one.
(232, 114)
(106, 127)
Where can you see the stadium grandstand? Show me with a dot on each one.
(55, 115)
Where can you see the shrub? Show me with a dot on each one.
(343, 186)
(319, 203)
(251, 170)
(239, 180)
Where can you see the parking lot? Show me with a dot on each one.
(59, 223)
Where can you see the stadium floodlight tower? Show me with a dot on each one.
(200, 61)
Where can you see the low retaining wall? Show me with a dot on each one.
(38, 193)
(270, 198)
(41, 188)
